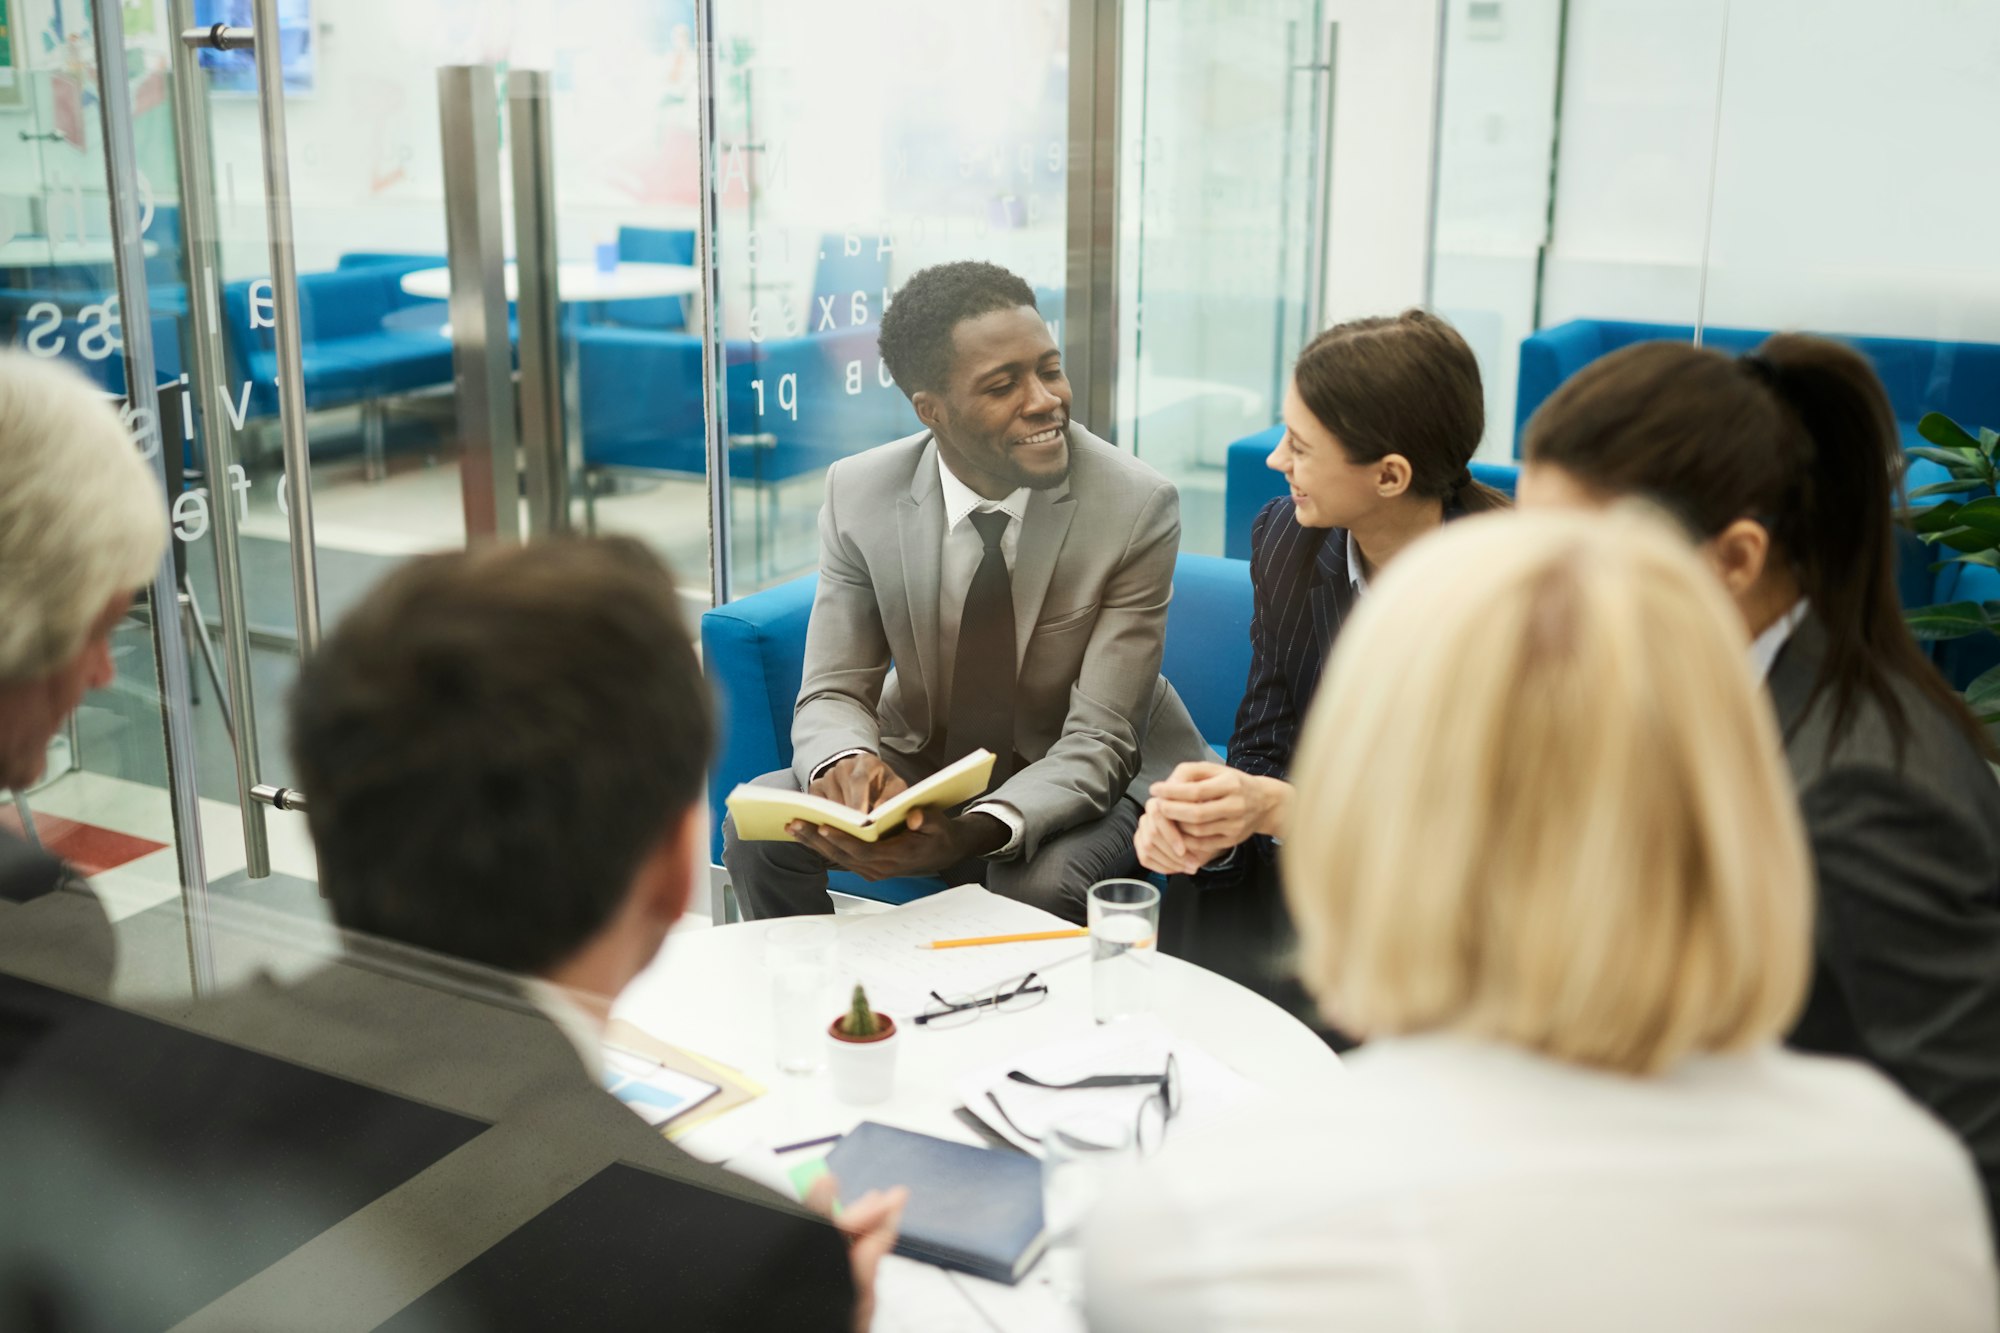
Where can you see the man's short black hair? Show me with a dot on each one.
(492, 742)
(916, 328)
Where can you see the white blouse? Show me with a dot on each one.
(1466, 1186)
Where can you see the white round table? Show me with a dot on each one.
(707, 991)
(579, 281)
(41, 252)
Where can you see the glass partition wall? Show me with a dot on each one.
(1603, 170)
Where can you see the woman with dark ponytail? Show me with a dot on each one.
(1381, 421)
(1784, 464)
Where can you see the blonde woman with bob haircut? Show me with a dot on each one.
(1545, 859)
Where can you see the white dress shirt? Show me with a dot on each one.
(584, 1029)
(958, 561)
(1464, 1186)
(1764, 649)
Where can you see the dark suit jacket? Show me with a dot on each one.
(1907, 934)
(443, 1161)
(1299, 579)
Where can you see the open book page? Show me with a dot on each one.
(887, 951)
(761, 813)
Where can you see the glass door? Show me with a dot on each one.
(1227, 115)
(107, 802)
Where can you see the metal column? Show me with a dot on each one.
(482, 361)
(1090, 298)
(199, 237)
(291, 331)
(169, 648)
(544, 453)
(714, 374)
(1319, 184)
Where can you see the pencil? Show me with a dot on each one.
(1008, 939)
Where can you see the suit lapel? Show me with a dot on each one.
(1330, 590)
(1042, 531)
(920, 534)
(1794, 673)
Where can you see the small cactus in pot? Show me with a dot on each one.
(860, 1022)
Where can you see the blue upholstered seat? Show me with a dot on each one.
(640, 402)
(753, 651)
(362, 336)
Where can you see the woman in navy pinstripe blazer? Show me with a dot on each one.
(1381, 420)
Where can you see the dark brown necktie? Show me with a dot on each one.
(982, 674)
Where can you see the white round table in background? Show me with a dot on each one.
(708, 992)
(41, 252)
(579, 280)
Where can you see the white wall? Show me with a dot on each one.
(1858, 178)
(1496, 126)
(1850, 190)
(1855, 177)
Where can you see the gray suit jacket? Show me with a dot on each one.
(1092, 579)
(419, 1132)
(1906, 849)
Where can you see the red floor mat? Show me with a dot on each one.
(89, 848)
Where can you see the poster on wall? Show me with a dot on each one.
(236, 71)
(13, 74)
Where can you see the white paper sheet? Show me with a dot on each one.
(884, 950)
(1134, 1046)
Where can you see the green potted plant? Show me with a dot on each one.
(1966, 521)
(861, 1050)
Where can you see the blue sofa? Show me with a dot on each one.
(753, 651)
(362, 336)
(639, 396)
(1962, 380)
(1248, 485)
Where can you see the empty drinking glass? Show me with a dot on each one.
(1124, 937)
(1078, 1151)
(798, 955)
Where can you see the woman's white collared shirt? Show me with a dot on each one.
(1466, 1186)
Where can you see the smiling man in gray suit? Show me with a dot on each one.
(999, 579)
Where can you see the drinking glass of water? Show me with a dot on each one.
(798, 955)
(1078, 1152)
(1124, 939)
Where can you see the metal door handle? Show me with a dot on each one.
(202, 264)
(220, 37)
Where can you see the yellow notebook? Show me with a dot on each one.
(761, 813)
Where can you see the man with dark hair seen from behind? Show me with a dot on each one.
(503, 753)
(1016, 570)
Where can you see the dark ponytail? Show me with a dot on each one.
(1405, 385)
(1798, 436)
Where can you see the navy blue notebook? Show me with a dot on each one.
(975, 1209)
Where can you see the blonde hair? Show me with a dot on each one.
(82, 516)
(1541, 801)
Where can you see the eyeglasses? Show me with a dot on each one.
(1154, 1113)
(1011, 997)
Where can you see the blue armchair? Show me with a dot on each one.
(753, 651)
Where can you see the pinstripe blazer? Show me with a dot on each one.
(1299, 578)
